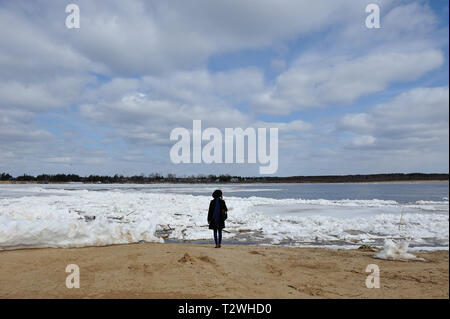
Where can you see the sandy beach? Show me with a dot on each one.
(233, 271)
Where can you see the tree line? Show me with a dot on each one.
(224, 178)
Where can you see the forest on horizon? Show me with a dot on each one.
(224, 178)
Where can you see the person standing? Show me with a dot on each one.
(217, 214)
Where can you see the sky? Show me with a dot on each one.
(104, 98)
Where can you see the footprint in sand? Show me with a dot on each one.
(186, 259)
(254, 252)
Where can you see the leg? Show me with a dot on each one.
(220, 236)
(215, 236)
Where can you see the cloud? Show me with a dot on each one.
(404, 27)
(359, 122)
(158, 37)
(19, 135)
(287, 127)
(416, 119)
(30, 51)
(147, 120)
(142, 38)
(278, 65)
(143, 119)
(39, 96)
(315, 81)
(363, 140)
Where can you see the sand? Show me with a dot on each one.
(233, 271)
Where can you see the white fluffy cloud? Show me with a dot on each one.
(142, 37)
(416, 119)
(145, 111)
(317, 81)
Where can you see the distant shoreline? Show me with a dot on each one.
(224, 179)
(231, 183)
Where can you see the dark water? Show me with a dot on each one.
(399, 192)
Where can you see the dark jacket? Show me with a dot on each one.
(223, 210)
